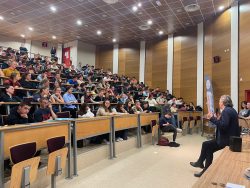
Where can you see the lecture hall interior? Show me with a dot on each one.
(124, 93)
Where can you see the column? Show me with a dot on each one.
(234, 53)
(170, 62)
(142, 61)
(115, 58)
(200, 62)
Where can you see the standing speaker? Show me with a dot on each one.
(235, 144)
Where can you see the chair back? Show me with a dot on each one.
(22, 152)
(18, 170)
(65, 114)
(55, 143)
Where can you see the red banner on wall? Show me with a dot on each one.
(66, 56)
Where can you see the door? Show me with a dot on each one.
(247, 95)
(66, 56)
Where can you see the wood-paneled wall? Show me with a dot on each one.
(244, 49)
(104, 57)
(217, 43)
(129, 60)
(156, 64)
(185, 65)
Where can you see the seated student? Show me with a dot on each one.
(137, 108)
(128, 107)
(12, 69)
(105, 109)
(70, 99)
(191, 107)
(20, 114)
(173, 108)
(73, 81)
(26, 81)
(145, 107)
(45, 111)
(244, 112)
(44, 92)
(56, 96)
(8, 95)
(166, 125)
(44, 83)
(42, 76)
(85, 111)
(13, 80)
(100, 97)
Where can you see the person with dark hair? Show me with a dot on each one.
(85, 111)
(20, 114)
(128, 107)
(167, 125)
(105, 109)
(13, 80)
(227, 125)
(70, 99)
(45, 111)
(26, 81)
(8, 95)
(44, 92)
(73, 81)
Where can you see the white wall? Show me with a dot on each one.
(14, 43)
(86, 53)
(36, 47)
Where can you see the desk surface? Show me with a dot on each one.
(229, 167)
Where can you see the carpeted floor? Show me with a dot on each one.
(149, 167)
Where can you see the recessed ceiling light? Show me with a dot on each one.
(221, 7)
(134, 8)
(22, 35)
(79, 22)
(158, 3)
(53, 9)
(139, 4)
(53, 37)
(31, 28)
(192, 7)
(114, 40)
(160, 32)
(149, 22)
(98, 32)
(1, 18)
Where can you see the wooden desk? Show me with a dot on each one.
(89, 127)
(146, 118)
(125, 121)
(37, 132)
(229, 167)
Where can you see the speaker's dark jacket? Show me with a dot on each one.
(227, 125)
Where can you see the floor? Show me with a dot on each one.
(150, 166)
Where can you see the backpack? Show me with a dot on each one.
(163, 141)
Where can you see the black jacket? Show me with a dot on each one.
(226, 126)
(15, 118)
